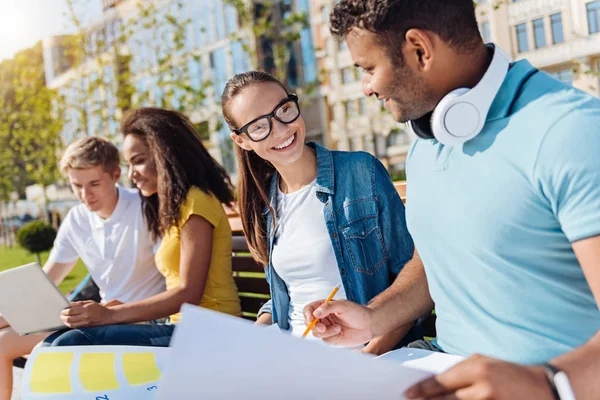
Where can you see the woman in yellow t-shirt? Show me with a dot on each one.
(183, 189)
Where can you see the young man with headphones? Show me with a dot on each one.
(504, 206)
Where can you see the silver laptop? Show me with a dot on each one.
(29, 300)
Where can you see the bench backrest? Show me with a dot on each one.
(250, 277)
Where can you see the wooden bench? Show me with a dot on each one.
(250, 277)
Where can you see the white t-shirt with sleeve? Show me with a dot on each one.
(303, 254)
(118, 252)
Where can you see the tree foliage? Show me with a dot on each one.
(36, 237)
(275, 30)
(29, 129)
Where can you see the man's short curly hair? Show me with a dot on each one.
(453, 21)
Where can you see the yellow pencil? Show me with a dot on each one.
(314, 321)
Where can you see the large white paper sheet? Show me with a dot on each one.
(215, 356)
(94, 373)
(422, 359)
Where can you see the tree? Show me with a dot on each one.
(271, 32)
(36, 237)
(29, 129)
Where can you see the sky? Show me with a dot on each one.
(24, 22)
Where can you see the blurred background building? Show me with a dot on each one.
(557, 36)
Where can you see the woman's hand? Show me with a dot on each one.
(264, 319)
(87, 313)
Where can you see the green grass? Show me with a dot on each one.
(13, 257)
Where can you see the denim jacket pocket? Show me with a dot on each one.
(364, 244)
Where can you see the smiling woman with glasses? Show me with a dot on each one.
(286, 112)
(315, 218)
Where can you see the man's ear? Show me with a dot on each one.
(418, 48)
(117, 174)
(239, 141)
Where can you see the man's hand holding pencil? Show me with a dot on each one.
(340, 322)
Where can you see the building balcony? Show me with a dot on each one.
(579, 48)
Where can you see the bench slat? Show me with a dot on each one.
(239, 244)
(251, 304)
(429, 326)
(252, 285)
(246, 264)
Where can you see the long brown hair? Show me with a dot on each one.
(254, 173)
(181, 162)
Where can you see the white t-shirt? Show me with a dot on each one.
(118, 252)
(303, 255)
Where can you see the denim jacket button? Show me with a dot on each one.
(343, 271)
(334, 235)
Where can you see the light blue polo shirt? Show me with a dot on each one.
(494, 220)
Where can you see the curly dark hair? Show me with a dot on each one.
(453, 21)
(181, 162)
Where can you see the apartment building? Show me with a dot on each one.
(354, 122)
(216, 47)
(560, 37)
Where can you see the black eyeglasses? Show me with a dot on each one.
(260, 128)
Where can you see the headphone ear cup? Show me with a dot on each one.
(438, 123)
(421, 127)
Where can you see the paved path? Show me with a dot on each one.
(18, 381)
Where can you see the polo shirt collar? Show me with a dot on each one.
(117, 214)
(517, 73)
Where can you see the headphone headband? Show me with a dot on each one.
(461, 114)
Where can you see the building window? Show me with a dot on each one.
(231, 18)
(484, 29)
(325, 14)
(522, 42)
(356, 144)
(362, 106)
(349, 75)
(342, 46)
(557, 28)
(593, 13)
(539, 33)
(349, 109)
(309, 62)
(219, 19)
(241, 60)
(218, 65)
(565, 75)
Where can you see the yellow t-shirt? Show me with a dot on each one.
(220, 293)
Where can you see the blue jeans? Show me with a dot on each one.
(116, 335)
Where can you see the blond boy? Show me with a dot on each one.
(107, 231)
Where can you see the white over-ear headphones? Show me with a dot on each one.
(461, 114)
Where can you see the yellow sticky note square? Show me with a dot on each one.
(97, 372)
(51, 373)
(140, 368)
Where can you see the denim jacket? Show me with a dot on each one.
(366, 222)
